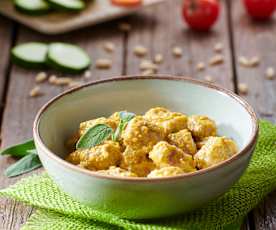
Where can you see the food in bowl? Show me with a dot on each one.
(159, 196)
(160, 143)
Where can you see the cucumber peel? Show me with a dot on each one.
(67, 5)
(32, 7)
(63, 57)
(67, 58)
(30, 55)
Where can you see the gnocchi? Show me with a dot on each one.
(160, 143)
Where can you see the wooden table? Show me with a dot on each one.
(159, 29)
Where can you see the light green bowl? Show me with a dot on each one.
(137, 198)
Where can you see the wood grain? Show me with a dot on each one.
(20, 108)
(6, 32)
(253, 38)
(161, 28)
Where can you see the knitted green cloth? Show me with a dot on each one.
(58, 211)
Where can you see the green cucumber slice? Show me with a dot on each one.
(32, 7)
(71, 5)
(67, 58)
(30, 55)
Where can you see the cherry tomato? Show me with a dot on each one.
(127, 3)
(201, 14)
(260, 9)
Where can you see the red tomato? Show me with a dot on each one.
(260, 9)
(127, 3)
(201, 14)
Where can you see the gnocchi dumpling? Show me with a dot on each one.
(117, 171)
(159, 143)
(183, 140)
(141, 134)
(166, 171)
(201, 126)
(214, 151)
(169, 121)
(97, 158)
(163, 154)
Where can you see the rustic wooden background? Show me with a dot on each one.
(159, 29)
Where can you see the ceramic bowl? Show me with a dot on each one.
(140, 198)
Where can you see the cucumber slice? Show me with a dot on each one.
(67, 58)
(30, 55)
(71, 5)
(32, 7)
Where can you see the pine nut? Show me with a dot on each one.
(147, 64)
(244, 61)
(158, 59)
(200, 66)
(216, 60)
(177, 51)
(109, 47)
(63, 81)
(75, 84)
(87, 74)
(243, 88)
(41, 77)
(218, 47)
(208, 78)
(148, 72)
(255, 61)
(52, 79)
(270, 73)
(35, 92)
(140, 51)
(103, 63)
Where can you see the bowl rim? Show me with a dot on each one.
(226, 92)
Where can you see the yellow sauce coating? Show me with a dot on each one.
(214, 151)
(201, 126)
(166, 171)
(160, 143)
(183, 140)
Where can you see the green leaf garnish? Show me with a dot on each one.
(19, 150)
(29, 158)
(24, 165)
(94, 136)
(125, 117)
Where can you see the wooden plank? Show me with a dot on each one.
(6, 32)
(256, 39)
(245, 225)
(161, 28)
(250, 39)
(21, 109)
(265, 213)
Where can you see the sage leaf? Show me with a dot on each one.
(116, 134)
(125, 117)
(24, 165)
(94, 136)
(19, 150)
(31, 151)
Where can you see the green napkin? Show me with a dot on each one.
(58, 211)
